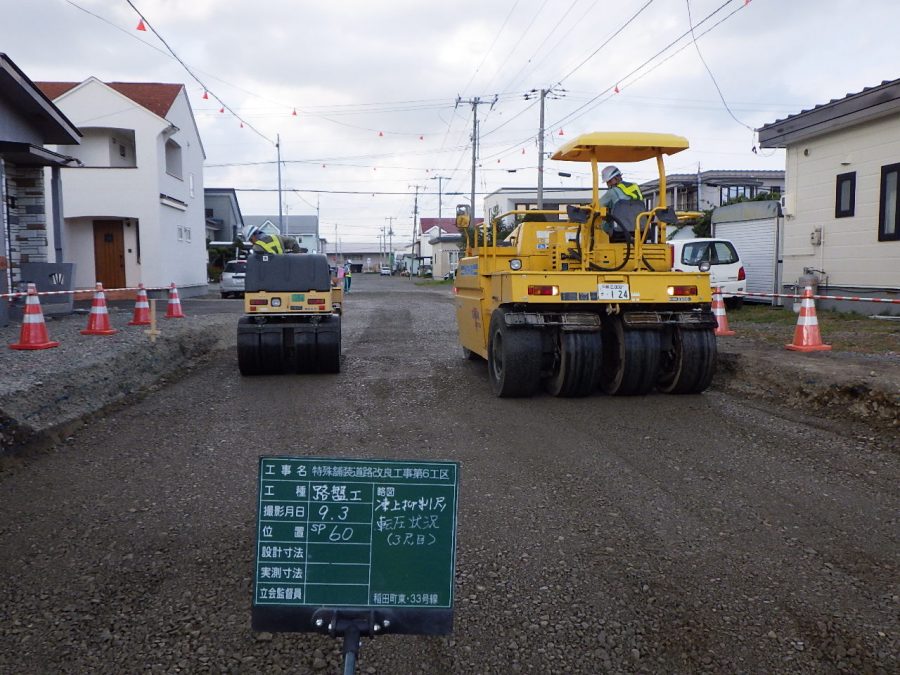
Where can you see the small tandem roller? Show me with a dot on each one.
(293, 316)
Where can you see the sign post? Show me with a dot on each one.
(355, 547)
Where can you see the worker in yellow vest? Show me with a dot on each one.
(274, 243)
(618, 188)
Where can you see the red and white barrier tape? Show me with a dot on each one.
(857, 298)
(23, 294)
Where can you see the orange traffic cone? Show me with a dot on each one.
(806, 334)
(98, 321)
(173, 311)
(141, 309)
(718, 308)
(34, 331)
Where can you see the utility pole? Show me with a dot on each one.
(278, 152)
(540, 177)
(416, 245)
(390, 220)
(474, 102)
(540, 194)
(439, 179)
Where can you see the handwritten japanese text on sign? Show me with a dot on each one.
(361, 533)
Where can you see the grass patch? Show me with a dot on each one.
(844, 331)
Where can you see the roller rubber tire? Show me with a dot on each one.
(271, 350)
(630, 359)
(689, 367)
(514, 358)
(306, 352)
(329, 349)
(578, 364)
(248, 350)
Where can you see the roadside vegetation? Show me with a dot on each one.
(844, 331)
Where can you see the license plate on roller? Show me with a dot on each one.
(613, 292)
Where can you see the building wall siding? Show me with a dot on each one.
(850, 254)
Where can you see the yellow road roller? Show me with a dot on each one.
(292, 316)
(585, 299)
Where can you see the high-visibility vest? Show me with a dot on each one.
(269, 244)
(630, 190)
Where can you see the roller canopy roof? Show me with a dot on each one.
(620, 146)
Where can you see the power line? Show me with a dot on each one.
(711, 76)
(346, 192)
(596, 100)
(514, 79)
(491, 48)
(606, 42)
(587, 106)
(191, 73)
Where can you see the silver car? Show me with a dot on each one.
(232, 282)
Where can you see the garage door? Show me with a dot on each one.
(757, 243)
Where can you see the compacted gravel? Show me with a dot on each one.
(712, 533)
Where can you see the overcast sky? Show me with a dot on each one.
(375, 85)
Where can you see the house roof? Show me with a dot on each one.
(716, 177)
(445, 238)
(868, 104)
(293, 225)
(157, 97)
(26, 97)
(447, 225)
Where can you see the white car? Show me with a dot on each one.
(385, 271)
(232, 281)
(725, 268)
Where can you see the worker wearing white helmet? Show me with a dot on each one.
(617, 188)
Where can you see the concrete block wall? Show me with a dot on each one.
(28, 220)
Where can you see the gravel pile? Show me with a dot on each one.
(47, 390)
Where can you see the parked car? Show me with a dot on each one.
(725, 268)
(385, 271)
(232, 282)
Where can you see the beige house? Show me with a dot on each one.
(841, 214)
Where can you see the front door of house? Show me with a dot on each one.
(109, 253)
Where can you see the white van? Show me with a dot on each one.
(726, 270)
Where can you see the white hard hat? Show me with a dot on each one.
(611, 172)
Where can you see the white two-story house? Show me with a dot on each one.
(134, 213)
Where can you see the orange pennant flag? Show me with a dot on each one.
(141, 26)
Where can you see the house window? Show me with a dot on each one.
(889, 215)
(173, 158)
(734, 191)
(845, 195)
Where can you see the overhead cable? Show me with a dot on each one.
(191, 73)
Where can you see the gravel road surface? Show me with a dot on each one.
(711, 533)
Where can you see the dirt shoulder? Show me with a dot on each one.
(857, 380)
